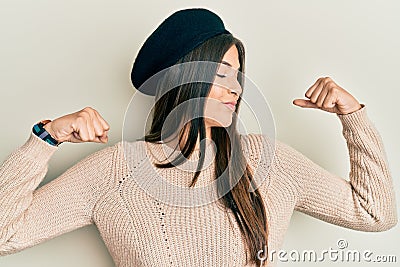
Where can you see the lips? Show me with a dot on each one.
(231, 105)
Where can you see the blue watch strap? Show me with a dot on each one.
(41, 132)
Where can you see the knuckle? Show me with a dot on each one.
(87, 109)
(80, 119)
(91, 136)
(83, 114)
(325, 80)
(334, 90)
(99, 132)
(328, 86)
(330, 83)
(95, 111)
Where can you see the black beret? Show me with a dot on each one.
(177, 35)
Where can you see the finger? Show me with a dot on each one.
(74, 138)
(315, 94)
(102, 121)
(79, 128)
(330, 100)
(312, 88)
(104, 128)
(83, 133)
(104, 138)
(96, 140)
(304, 103)
(322, 97)
(90, 130)
(98, 127)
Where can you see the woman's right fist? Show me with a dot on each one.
(85, 125)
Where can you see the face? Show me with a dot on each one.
(224, 93)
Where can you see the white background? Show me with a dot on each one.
(57, 57)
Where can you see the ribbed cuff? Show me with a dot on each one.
(37, 149)
(355, 120)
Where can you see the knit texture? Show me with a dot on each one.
(108, 189)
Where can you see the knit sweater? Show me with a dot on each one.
(110, 189)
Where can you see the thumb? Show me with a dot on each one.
(304, 103)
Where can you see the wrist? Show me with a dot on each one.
(352, 110)
(49, 129)
(43, 130)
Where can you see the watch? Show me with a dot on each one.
(41, 132)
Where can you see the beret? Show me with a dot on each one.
(177, 35)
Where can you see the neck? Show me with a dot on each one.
(172, 141)
(197, 147)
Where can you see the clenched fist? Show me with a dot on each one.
(85, 125)
(326, 95)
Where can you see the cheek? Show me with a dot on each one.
(216, 113)
(213, 106)
(216, 92)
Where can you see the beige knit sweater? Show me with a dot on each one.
(140, 230)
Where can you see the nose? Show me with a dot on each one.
(235, 88)
(231, 91)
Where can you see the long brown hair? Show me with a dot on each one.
(248, 207)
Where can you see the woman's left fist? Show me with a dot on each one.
(326, 95)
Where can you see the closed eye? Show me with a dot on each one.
(221, 75)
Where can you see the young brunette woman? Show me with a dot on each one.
(106, 188)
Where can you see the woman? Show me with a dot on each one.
(140, 229)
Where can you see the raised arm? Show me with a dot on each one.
(367, 201)
(28, 215)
